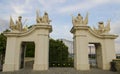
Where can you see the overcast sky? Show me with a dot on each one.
(60, 12)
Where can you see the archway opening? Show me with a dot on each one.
(59, 54)
(27, 55)
(95, 55)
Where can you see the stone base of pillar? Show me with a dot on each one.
(9, 67)
(106, 67)
(40, 67)
(83, 67)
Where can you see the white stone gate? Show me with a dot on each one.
(84, 35)
(39, 34)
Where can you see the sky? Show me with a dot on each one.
(60, 12)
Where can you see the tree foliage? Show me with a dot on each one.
(58, 51)
(2, 43)
(30, 49)
(3, 40)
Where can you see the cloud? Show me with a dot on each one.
(117, 47)
(3, 25)
(18, 10)
(115, 28)
(61, 32)
(85, 5)
(21, 8)
(50, 5)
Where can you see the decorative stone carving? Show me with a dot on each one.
(78, 21)
(18, 26)
(25, 28)
(102, 29)
(44, 19)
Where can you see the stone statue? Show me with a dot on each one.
(12, 26)
(86, 19)
(78, 21)
(19, 23)
(38, 17)
(18, 26)
(25, 28)
(44, 19)
(107, 27)
(102, 29)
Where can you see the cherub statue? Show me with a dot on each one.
(19, 23)
(17, 26)
(103, 29)
(25, 28)
(44, 19)
(78, 21)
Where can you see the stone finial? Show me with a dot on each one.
(78, 21)
(44, 19)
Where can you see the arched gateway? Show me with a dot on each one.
(39, 35)
(100, 37)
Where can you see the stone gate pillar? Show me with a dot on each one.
(10, 57)
(80, 47)
(42, 47)
(108, 50)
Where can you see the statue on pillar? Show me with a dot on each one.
(19, 23)
(78, 21)
(102, 29)
(38, 17)
(44, 19)
(107, 27)
(18, 26)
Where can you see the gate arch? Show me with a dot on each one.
(83, 35)
(39, 34)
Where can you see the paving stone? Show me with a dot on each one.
(61, 71)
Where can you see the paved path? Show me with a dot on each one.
(61, 71)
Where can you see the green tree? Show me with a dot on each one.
(30, 50)
(58, 51)
(3, 40)
(2, 47)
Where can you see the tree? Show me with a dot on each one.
(3, 40)
(58, 52)
(30, 50)
(2, 47)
